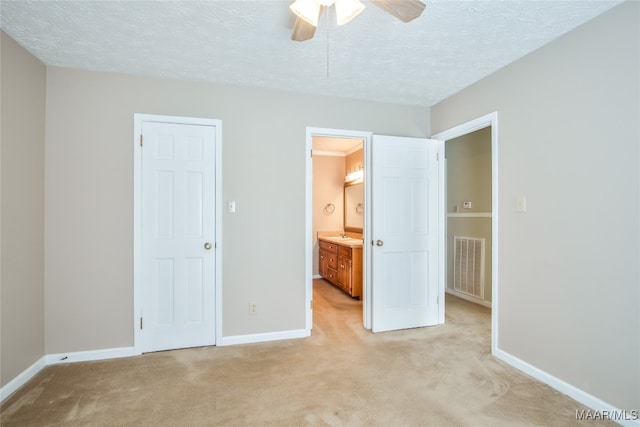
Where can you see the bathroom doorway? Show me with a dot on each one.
(406, 181)
(338, 216)
(334, 154)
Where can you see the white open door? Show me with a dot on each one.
(178, 236)
(404, 232)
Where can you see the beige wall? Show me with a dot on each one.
(23, 81)
(469, 171)
(568, 274)
(354, 161)
(569, 297)
(328, 187)
(89, 205)
(469, 178)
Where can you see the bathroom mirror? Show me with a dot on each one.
(354, 207)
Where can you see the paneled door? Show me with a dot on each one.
(178, 236)
(404, 232)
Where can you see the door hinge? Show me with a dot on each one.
(311, 304)
(141, 323)
(437, 156)
(140, 140)
(311, 153)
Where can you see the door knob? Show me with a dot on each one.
(379, 243)
(207, 246)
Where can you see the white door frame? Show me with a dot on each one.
(137, 216)
(308, 243)
(455, 132)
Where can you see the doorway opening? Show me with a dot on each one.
(468, 178)
(470, 227)
(403, 239)
(336, 215)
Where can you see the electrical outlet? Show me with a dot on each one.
(253, 308)
(466, 204)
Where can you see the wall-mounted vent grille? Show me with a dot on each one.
(468, 266)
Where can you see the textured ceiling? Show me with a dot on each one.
(375, 57)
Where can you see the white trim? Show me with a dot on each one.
(218, 243)
(22, 378)
(86, 356)
(308, 239)
(367, 301)
(468, 127)
(563, 387)
(55, 359)
(111, 353)
(138, 119)
(468, 297)
(442, 230)
(264, 337)
(469, 215)
(490, 119)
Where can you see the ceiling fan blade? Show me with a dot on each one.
(404, 10)
(302, 30)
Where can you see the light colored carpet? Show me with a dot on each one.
(342, 376)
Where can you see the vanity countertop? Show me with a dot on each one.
(344, 241)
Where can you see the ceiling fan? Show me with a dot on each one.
(308, 13)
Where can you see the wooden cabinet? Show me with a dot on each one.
(329, 261)
(342, 266)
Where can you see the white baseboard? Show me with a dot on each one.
(54, 359)
(85, 356)
(468, 298)
(269, 336)
(22, 378)
(610, 412)
(113, 353)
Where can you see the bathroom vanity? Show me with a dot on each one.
(341, 263)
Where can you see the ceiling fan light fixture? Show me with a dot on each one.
(346, 10)
(308, 10)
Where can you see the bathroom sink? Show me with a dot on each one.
(344, 240)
